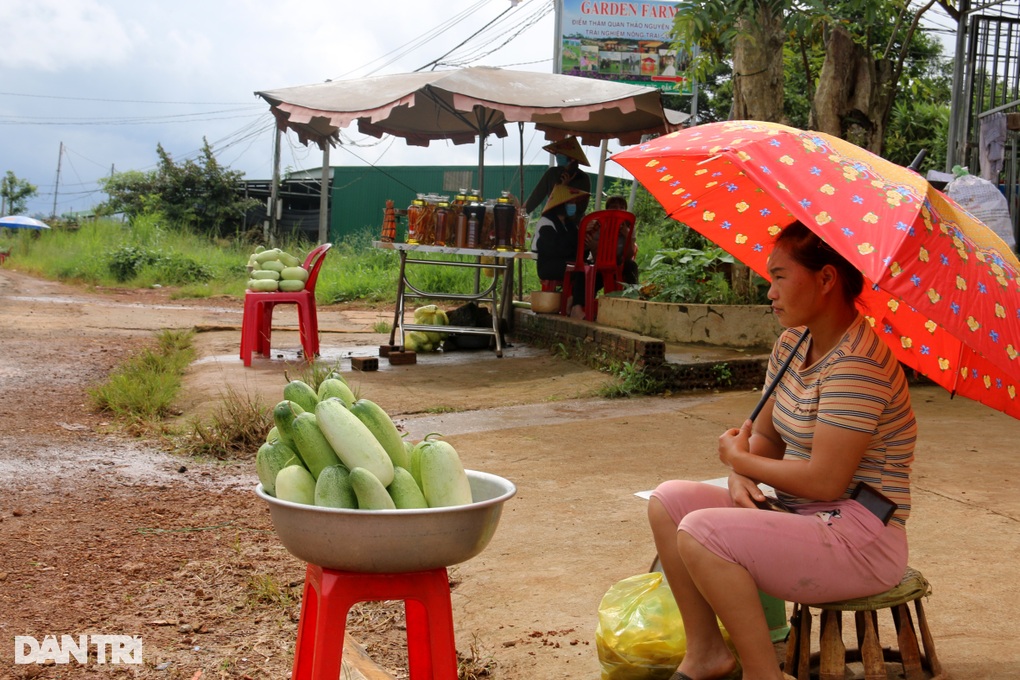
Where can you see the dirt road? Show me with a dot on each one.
(103, 534)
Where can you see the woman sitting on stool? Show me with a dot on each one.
(555, 240)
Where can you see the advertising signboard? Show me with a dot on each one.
(622, 41)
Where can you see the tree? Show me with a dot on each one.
(14, 194)
(750, 33)
(868, 46)
(132, 193)
(199, 194)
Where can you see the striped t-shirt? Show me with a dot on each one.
(860, 386)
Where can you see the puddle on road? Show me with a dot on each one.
(65, 300)
(331, 355)
(126, 461)
(544, 414)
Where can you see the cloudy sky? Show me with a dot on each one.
(90, 87)
(111, 79)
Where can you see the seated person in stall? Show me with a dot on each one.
(591, 243)
(569, 157)
(555, 240)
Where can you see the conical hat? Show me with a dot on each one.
(570, 148)
(561, 194)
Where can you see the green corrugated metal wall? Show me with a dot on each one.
(359, 194)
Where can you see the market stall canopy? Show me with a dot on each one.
(464, 104)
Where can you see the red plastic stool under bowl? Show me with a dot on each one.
(330, 594)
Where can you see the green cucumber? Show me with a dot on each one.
(371, 492)
(414, 460)
(294, 274)
(333, 489)
(265, 274)
(284, 414)
(266, 255)
(311, 445)
(269, 460)
(302, 394)
(352, 441)
(290, 286)
(443, 479)
(262, 285)
(289, 260)
(272, 265)
(405, 492)
(334, 387)
(381, 425)
(295, 484)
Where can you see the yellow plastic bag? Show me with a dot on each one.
(640, 635)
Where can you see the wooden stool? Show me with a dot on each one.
(330, 594)
(833, 655)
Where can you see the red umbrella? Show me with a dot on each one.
(944, 290)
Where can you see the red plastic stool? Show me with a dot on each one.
(257, 322)
(330, 594)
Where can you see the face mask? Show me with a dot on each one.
(571, 209)
(561, 160)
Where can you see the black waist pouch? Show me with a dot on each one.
(873, 499)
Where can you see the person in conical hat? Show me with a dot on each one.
(567, 196)
(570, 148)
(569, 156)
(555, 240)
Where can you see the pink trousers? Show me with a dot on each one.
(826, 551)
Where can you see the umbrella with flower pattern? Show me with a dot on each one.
(943, 290)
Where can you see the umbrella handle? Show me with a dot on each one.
(915, 164)
(775, 381)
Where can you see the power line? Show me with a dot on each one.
(436, 61)
(222, 114)
(486, 47)
(448, 24)
(117, 101)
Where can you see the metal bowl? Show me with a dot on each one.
(545, 302)
(392, 541)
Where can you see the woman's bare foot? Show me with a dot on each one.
(709, 669)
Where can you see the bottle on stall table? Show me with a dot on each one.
(462, 222)
(428, 221)
(472, 231)
(458, 231)
(442, 224)
(503, 217)
(520, 230)
(415, 214)
(487, 239)
(475, 210)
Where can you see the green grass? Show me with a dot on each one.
(630, 381)
(149, 253)
(141, 391)
(235, 431)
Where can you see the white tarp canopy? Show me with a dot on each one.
(465, 104)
